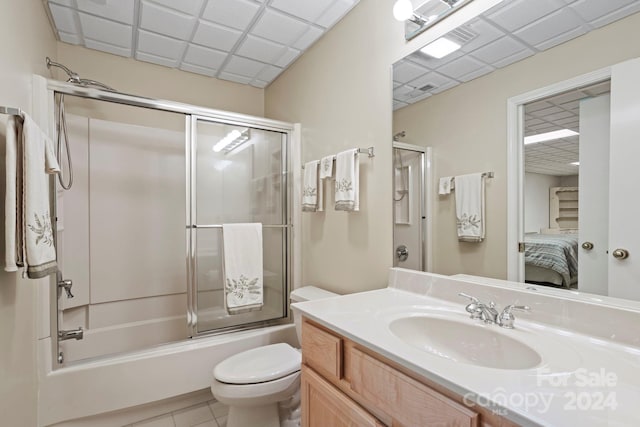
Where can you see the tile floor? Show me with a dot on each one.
(208, 414)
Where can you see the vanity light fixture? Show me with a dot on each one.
(575, 163)
(549, 136)
(402, 10)
(440, 48)
(233, 139)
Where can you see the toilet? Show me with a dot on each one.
(254, 382)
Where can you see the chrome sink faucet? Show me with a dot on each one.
(488, 313)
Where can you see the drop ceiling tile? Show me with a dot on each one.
(166, 21)
(446, 86)
(396, 84)
(399, 104)
(420, 97)
(260, 49)
(68, 3)
(486, 33)
(405, 71)
(576, 32)
(617, 14)
(243, 67)
(235, 78)
(461, 67)
(198, 70)
(498, 50)
(309, 11)
(599, 89)
(402, 92)
(117, 10)
(204, 57)
(476, 73)
(216, 36)
(434, 79)
(190, 7)
(549, 27)
(591, 10)
(259, 84)
(64, 18)
(516, 14)
(514, 58)
(279, 28)
(538, 105)
(339, 9)
(109, 48)
(570, 98)
(308, 38)
(69, 38)
(269, 73)
(558, 116)
(233, 13)
(105, 31)
(154, 59)
(287, 58)
(161, 46)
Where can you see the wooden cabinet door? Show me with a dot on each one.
(323, 405)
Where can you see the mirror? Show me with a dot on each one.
(512, 49)
(427, 13)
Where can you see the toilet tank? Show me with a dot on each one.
(306, 293)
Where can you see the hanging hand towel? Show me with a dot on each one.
(312, 197)
(326, 167)
(28, 231)
(347, 181)
(470, 207)
(444, 186)
(242, 267)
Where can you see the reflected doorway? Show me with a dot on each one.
(411, 216)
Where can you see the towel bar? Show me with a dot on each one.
(368, 151)
(10, 111)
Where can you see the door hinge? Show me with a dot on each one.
(521, 247)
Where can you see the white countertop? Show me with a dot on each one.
(582, 380)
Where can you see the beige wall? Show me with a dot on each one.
(468, 129)
(154, 81)
(23, 54)
(340, 90)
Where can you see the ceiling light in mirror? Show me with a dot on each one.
(575, 163)
(402, 10)
(440, 48)
(425, 13)
(232, 140)
(549, 136)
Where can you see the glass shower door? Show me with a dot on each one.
(238, 175)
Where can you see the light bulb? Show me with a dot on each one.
(402, 10)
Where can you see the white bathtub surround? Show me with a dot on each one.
(143, 377)
(243, 267)
(588, 346)
(348, 181)
(470, 203)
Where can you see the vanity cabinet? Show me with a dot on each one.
(346, 384)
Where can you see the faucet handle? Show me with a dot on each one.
(506, 318)
(473, 308)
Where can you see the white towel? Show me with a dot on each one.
(326, 167)
(28, 231)
(242, 267)
(347, 181)
(470, 213)
(312, 194)
(444, 186)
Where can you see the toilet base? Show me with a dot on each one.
(263, 416)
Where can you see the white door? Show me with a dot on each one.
(624, 181)
(594, 194)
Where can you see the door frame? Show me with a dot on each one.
(426, 197)
(515, 162)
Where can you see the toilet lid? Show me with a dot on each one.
(259, 365)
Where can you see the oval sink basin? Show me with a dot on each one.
(466, 343)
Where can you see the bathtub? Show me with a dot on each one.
(116, 383)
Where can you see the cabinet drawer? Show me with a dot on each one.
(321, 350)
(407, 401)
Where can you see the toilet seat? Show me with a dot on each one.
(259, 365)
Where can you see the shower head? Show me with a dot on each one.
(75, 78)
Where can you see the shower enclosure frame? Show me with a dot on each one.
(44, 111)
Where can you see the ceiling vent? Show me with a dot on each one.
(427, 87)
(462, 35)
